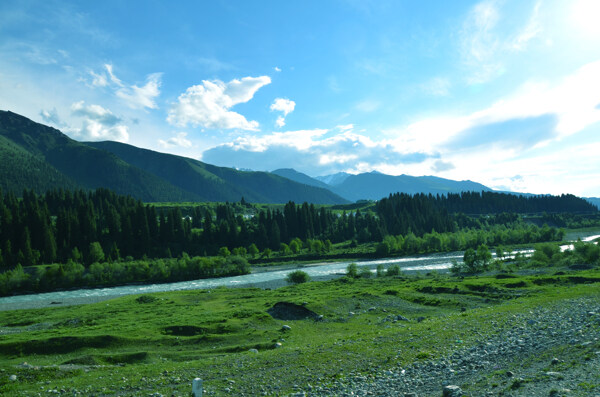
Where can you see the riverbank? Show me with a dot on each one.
(265, 278)
(401, 334)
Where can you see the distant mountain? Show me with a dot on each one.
(374, 186)
(333, 179)
(593, 200)
(299, 177)
(38, 157)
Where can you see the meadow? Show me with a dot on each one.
(145, 344)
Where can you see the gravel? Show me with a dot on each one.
(518, 361)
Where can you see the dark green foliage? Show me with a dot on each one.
(393, 270)
(212, 183)
(297, 277)
(49, 278)
(352, 270)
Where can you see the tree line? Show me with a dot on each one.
(99, 226)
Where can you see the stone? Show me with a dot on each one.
(555, 361)
(286, 328)
(452, 391)
(255, 351)
(510, 374)
(12, 378)
(278, 345)
(401, 318)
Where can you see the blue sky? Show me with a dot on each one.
(505, 92)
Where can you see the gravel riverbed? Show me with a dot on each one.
(549, 351)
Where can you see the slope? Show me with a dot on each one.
(299, 177)
(214, 183)
(35, 156)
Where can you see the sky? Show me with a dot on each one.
(501, 92)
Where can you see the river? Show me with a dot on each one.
(260, 279)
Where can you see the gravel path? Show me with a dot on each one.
(550, 351)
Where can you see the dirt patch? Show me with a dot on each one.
(291, 311)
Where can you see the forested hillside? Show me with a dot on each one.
(212, 183)
(37, 157)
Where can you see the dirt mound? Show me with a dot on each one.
(291, 311)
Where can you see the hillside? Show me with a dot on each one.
(38, 157)
(299, 177)
(213, 183)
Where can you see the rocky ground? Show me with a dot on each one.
(552, 351)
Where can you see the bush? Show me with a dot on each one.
(393, 270)
(365, 272)
(297, 277)
(352, 270)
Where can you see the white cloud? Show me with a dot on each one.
(276, 69)
(98, 79)
(345, 127)
(309, 151)
(98, 124)
(280, 122)
(282, 105)
(208, 105)
(113, 78)
(142, 97)
(179, 140)
(134, 96)
(571, 103)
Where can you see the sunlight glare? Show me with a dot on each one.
(586, 15)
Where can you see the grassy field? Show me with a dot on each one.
(139, 345)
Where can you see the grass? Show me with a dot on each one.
(158, 343)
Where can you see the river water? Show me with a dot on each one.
(316, 271)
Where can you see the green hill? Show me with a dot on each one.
(38, 157)
(214, 183)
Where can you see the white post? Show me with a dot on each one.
(197, 387)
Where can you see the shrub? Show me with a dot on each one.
(352, 270)
(297, 277)
(393, 270)
(365, 272)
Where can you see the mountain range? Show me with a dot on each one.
(375, 185)
(38, 157)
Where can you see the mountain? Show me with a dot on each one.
(374, 186)
(593, 200)
(214, 183)
(299, 177)
(333, 179)
(38, 157)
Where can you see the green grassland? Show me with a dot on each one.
(137, 345)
